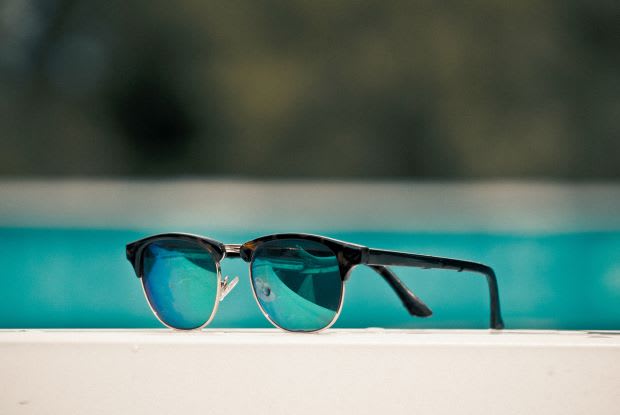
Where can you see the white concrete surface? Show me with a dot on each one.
(336, 372)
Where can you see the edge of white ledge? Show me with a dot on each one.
(365, 337)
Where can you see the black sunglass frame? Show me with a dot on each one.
(349, 255)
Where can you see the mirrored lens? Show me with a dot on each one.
(181, 283)
(297, 283)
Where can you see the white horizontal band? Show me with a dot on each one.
(298, 206)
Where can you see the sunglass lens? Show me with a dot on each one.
(180, 279)
(297, 283)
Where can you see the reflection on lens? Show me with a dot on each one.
(297, 283)
(180, 281)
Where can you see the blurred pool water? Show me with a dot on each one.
(56, 277)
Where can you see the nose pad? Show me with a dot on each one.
(227, 286)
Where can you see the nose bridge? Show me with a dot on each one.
(233, 250)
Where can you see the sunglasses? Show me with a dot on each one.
(298, 280)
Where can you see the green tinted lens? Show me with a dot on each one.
(297, 283)
(180, 279)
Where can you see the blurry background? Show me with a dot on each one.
(310, 88)
(485, 130)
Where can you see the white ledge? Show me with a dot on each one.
(339, 371)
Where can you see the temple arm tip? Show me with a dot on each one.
(412, 302)
(497, 324)
(418, 308)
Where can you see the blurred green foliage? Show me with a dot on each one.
(310, 88)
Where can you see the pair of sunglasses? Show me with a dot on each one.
(298, 280)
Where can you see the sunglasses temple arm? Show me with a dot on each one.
(394, 258)
(412, 302)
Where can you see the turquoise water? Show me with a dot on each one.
(55, 278)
